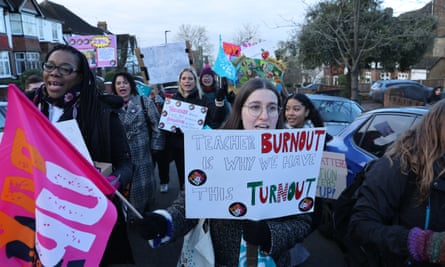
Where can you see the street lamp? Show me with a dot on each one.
(165, 36)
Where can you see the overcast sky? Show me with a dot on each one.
(148, 20)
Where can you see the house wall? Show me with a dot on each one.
(438, 71)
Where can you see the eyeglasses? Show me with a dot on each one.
(64, 69)
(256, 109)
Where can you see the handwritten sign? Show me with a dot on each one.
(251, 174)
(178, 114)
(165, 62)
(332, 179)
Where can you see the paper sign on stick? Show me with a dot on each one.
(251, 174)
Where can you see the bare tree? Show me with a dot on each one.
(197, 36)
(247, 33)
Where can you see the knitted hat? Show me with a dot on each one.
(206, 70)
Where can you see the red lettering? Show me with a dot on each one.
(291, 142)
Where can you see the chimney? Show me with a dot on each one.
(102, 25)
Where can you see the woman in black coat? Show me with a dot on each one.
(190, 91)
(69, 92)
(399, 214)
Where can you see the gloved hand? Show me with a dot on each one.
(257, 233)
(426, 245)
(114, 181)
(152, 226)
(221, 94)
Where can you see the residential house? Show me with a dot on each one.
(24, 31)
(73, 25)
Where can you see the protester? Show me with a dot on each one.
(436, 95)
(140, 119)
(190, 91)
(399, 214)
(162, 157)
(33, 82)
(300, 112)
(69, 92)
(210, 88)
(256, 106)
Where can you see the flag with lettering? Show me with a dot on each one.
(53, 211)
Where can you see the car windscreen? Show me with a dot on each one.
(337, 111)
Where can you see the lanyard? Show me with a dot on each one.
(427, 215)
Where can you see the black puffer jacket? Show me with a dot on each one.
(388, 208)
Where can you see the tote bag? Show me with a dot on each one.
(197, 248)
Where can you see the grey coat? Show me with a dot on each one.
(226, 234)
(138, 135)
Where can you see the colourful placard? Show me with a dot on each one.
(251, 174)
(100, 50)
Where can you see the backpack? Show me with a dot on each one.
(355, 255)
(344, 204)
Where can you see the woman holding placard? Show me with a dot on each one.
(190, 91)
(256, 107)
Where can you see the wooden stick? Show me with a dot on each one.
(128, 204)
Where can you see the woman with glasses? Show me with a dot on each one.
(69, 92)
(256, 107)
(190, 91)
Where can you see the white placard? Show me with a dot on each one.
(251, 174)
(332, 179)
(178, 114)
(165, 62)
(71, 131)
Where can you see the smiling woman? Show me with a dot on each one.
(69, 93)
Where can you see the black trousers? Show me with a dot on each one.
(177, 156)
(162, 159)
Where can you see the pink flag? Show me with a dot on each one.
(53, 210)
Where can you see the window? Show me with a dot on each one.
(368, 77)
(385, 76)
(380, 131)
(5, 67)
(29, 25)
(16, 24)
(2, 23)
(55, 32)
(26, 61)
(402, 76)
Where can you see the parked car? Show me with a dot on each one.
(411, 91)
(337, 112)
(3, 106)
(168, 91)
(379, 87)
(313, 86)
(368, 136)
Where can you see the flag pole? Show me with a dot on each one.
(128, 204)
